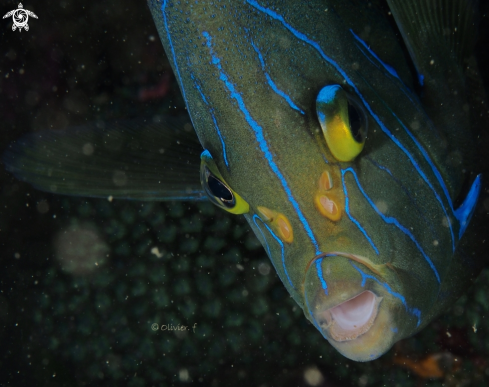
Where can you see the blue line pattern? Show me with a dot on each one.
(255, 217)
(389, 69)
(320, 275)
(281, 246)
(413, 200)
(258, 130)
(272, 84)
(391, 220)
(414, 311)
(357, 223)
(438, 177)
(466, 210)
(315, 45)
(211, 110)
(163, 6)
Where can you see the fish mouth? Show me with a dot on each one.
(352, 318)
(346, 302)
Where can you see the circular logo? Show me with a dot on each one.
(20, 16)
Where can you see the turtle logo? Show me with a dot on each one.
(20, 17)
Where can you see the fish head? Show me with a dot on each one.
(328, 154)
(336, 218)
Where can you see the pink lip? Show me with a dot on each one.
(353, 317)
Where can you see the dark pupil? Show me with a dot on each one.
(219, 190)
(356, 123)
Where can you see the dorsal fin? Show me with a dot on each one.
(440, 36)
(434, 29)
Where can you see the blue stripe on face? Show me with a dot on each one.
(357, 223)
(283, 254)
(402, 87)
(281, 246)
(413, 200)
(461, 214)
(315, 45)
(389, 69)
(438, 177)
(319, 269)
(394, 221)
(423, 176)
(258, 130)
(211, 110)
(414, 311)
(255, 217)
(272, 84)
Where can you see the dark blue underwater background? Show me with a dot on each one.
(83, 281)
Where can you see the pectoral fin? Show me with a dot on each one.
(138, 160)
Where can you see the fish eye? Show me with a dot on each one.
(217, 190)
(343, 122)
(357, 122)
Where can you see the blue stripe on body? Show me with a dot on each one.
(461, 214)
(438, 177)
(413, 200)
(391, 220)
(402, 87)
(414, 311)
(420, 78)
(418, 145)
(272, 84)
(281, 246)
(163, 6)
(357, 223)
(316, 46)
(211, 111)
(389, 69)
(466, 210)
(433, 168)
(258, 130)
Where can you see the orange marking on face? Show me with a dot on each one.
(327, 207)
(284, 229)
(279, 223)
(266, 214)
(325, 181)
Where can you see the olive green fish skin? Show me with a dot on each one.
(250, 73)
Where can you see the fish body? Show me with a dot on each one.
(352, 161)
(364, 244)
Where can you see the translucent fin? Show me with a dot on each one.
(435, 28)
(440, 36)
(138, 160)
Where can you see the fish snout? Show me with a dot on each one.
(353, 314)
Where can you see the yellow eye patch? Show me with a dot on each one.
(343, 122)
